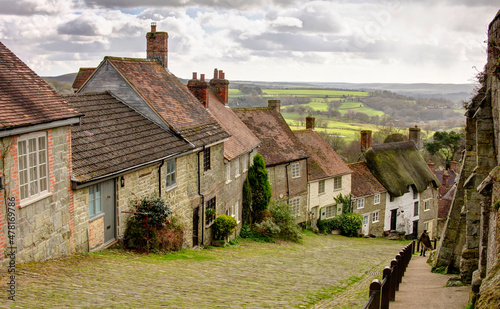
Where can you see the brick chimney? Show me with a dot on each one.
(431, 166)
(446, 176)
(220, 85)
(414, 135)
(366, 140)
(274, 104)
(157, 45)
(199, 88)
(310, 122)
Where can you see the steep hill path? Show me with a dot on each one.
(423, 289)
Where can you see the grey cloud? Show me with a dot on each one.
(73, 47)
(78, 27)
(229, 4)
(26, 8)
(271, 41)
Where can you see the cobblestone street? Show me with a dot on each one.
(248, 275)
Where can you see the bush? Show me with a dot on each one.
(328, 225)
(163, 235)
(267, 228)
(223, 226)
(285, 219)
(350, 224)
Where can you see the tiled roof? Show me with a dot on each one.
(170, 99)
(242, 139)
(444, 203)
(399, 165)
(25, 98)
(278, 143)
(113, 137)
(323, 161)
(363, 182)
(82, 76)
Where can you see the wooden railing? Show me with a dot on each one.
(381, 293)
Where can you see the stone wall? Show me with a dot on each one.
(374, 228)
(44, 226)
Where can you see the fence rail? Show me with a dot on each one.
(382, 293)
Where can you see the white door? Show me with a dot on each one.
(365, 224)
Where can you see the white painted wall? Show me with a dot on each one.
(405, 216)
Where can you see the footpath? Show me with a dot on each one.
(421, 288)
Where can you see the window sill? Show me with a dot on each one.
(171, 188)
(237, 176)
(96, 216)
(338, 189)
(228, 181)
(30, 201)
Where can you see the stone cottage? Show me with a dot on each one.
(239, 148)
(412, 205)
(328, 176)
(286, 160)
(119, 156)
(370, 198)
(147, 86)
(37, 214)
(470, 240)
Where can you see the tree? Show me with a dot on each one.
(445, 143)
(247, 202)
(259, 183)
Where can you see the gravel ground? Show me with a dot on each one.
(333, 270)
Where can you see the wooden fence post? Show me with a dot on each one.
(394, 279)
(386, 288)
(375, 288)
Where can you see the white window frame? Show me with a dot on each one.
(294, 205)
(228, 172)
(330, 211)
(236, 213)
(321, 187)
(416, 206)
(295, 170)
(376, 199)
(95, 206)
(33, 186)
(337, 183)
(427, 205)
(360, 203)
(375, 216)
(237, 168)
(171, 174)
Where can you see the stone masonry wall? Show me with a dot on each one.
(44, 227)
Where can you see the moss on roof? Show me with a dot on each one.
(399, 165)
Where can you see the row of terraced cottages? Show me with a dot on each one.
(70, 166)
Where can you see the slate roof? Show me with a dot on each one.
(399, 165)
(25, 98)
(81, 77)
(278, 143)
(363, 183)
(242, 139)
(112, 137)
(323, 161)
(170, 99)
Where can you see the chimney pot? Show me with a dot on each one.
(153, 27)
(195, 75)
(216, 74)
(310, 122)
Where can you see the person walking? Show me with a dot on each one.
(425, 240)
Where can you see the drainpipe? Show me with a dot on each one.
(159, 177)
(287, 184)
(202, 199)
(307, 201)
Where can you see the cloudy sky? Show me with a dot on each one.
(435, 41)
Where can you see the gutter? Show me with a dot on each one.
(159, 177)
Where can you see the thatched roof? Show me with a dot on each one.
(399, 165)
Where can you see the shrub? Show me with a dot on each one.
(285, 219)
(350, 224)
(156, 208)
(328, 225)
(223, 226)
(267, 228)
